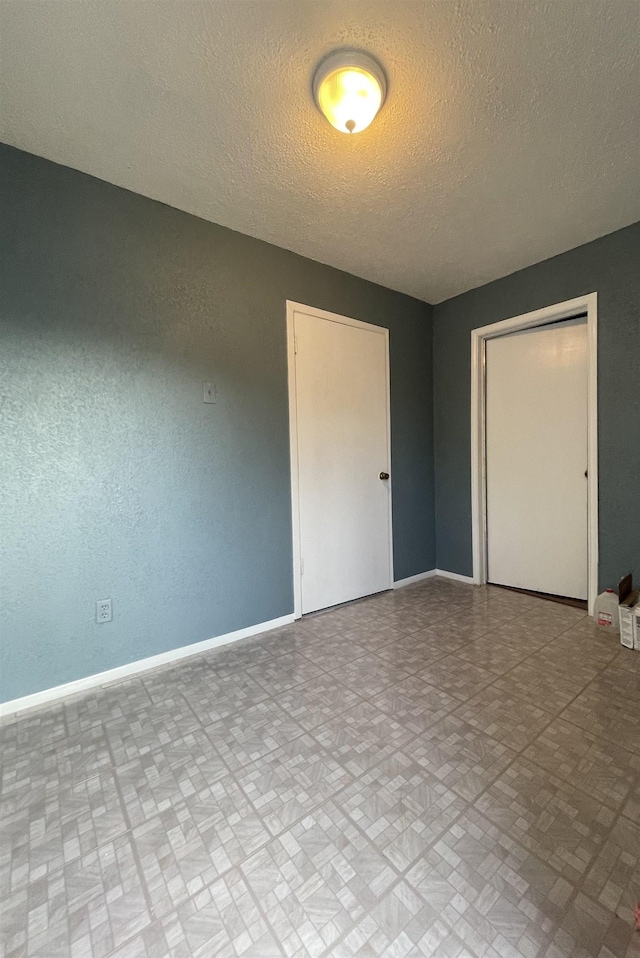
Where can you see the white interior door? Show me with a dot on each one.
(342, 423)
(536, 459)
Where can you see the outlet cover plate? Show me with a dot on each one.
(104, 611)
(209, 392)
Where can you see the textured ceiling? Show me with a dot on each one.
(510, 133)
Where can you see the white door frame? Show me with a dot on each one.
(292, 308)
(540, 317)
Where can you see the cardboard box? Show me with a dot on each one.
(628, 627)
(629, 613)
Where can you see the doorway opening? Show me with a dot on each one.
(585, 306)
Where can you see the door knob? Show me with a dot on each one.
(384, 475)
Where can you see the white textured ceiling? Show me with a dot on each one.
(510, 133)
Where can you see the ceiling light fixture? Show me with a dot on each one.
(349, 87)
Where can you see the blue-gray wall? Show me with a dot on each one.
(611, 267)
(116, 479)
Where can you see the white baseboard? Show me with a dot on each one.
(443, 574)
(134, 668)
(414, 578)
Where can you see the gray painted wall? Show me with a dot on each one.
(116, 479)
(611, 267)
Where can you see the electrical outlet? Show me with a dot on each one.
(209, 391)
(104, 612)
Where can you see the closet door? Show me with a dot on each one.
(536, 459)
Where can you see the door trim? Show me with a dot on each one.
(292, 308)
(540, 317)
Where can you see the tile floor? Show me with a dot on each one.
(439, 770)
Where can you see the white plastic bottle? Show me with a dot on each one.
(606, 611)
